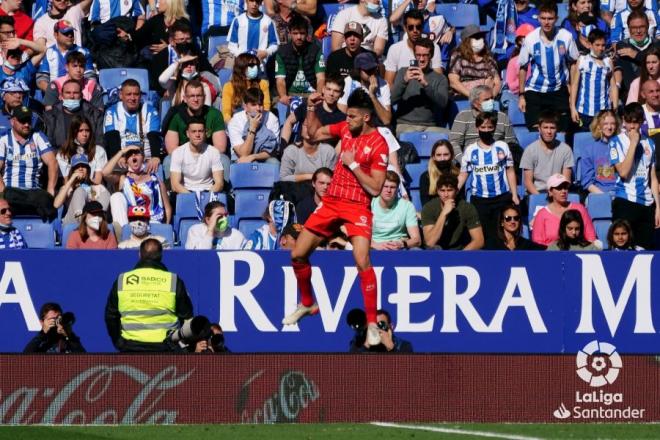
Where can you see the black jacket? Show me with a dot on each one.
(42, 344)
(57, 124)
(183, 305)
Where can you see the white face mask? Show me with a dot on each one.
(93, 222)
(477, 45)
(139, 228)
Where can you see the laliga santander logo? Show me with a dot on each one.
(598, 363)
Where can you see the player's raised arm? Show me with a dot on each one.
(315, 130)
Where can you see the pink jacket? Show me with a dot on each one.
(546, 225)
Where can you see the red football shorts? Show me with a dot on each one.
(333, 212)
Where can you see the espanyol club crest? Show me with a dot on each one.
(367, 150)
(32, 146)
(562, 51)
(501, 155)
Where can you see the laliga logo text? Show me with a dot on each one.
(598, 364)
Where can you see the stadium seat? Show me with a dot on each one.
(416, 199)
(184, 226)
(36, 233)
(224, 75)
(250, 203)
(112, 78)
(602, 227)
(525, 231)
(516, 117)
(326, 46)
(165, 105)
(562, 12)
(248, 226)
(282, 112)
(186, 207)
(423, 141)
(525, 137)
(214, 42)
(580, 142)
(413, 173)
(164, 230)
(253, 175)
(458, 14)
(599, 206)
(68, 228)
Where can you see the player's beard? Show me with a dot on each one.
(356, 131)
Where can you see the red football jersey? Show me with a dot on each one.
(371, 153)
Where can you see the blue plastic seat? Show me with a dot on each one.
(36, 233)
(68, 228)
(248, 226)
(580, 143)
(525, 137)
(214, 42)
(165, 105)
(458, 14)
(164, 230)
(184, 226)
(250, 203)
(423, 141)
(416, 199)
(599, 206)
(253, 175)
(516, 117)
(562, 12)
(186, 207)
(414, 172)
(602, 227)
(537, 201)
(111, 78)
(224, 75)
(282, 112)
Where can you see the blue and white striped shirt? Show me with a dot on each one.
(594, 85)
(247, 33)
(104, 10)
(637, 187)
(54, 62)
(619, 25)
(549, 61)
(220, 12)
(12, 239)
(615, 6)
(23, 161)
(488, 168)
(117, 118)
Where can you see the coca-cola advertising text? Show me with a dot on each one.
(120, 389)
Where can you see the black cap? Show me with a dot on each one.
(22, 113)
(93, 207)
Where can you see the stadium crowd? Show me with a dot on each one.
(516, 130)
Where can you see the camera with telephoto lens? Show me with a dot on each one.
(192, 330)
(357, 320)
(384, 326)
(65, 320)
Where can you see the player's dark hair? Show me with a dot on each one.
(298, 23)
(196, 120)
(486, 116)
(323, 170)
(447, 180)
(427, 43)
(633, 112)
(360, 99)
(75, 57)
(335, 78)
(254, 95)
(414, 14)
(596, 35)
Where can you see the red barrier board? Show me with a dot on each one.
(109, 389)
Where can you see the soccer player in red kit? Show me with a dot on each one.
(358, 176)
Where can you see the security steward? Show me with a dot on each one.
(146, 304)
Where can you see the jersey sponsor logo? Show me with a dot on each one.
(613, 154)
(486, 169)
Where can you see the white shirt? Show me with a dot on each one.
(198, 238)
(97, 164)
(372, 26)
(350, 85)
(196, 168)
(43, 27)
(400, 54)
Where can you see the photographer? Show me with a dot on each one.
(215, 343)
(56, 335)
(389, 342)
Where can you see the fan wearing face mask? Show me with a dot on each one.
(174, 79)
(246, 74)
(140, 230)
(472, 64)
(93, 232)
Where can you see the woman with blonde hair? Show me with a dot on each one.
(597, 175)
(441, 162)
(155, 31)
(244, 76)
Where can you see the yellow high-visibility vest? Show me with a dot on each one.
(147, 302)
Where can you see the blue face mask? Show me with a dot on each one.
(71, 104)
(488, 106)
(10, 66)
(252, 72)
(373, 8)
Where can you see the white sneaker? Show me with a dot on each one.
(373, 335)
(300, 312)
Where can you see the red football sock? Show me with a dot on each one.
(368, 285)
(303, 273)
